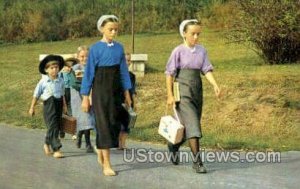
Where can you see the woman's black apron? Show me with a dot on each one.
(106, 102)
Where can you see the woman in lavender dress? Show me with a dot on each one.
(185, 64)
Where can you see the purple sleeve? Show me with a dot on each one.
(206, 66)
(172, 63)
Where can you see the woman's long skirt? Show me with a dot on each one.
(191, 98)
(106, 98)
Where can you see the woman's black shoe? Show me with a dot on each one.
(174, 154)
(199, 167)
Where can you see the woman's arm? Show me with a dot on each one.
(209, 76)
(127, 98)
(170, 95)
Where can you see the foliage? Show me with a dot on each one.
(220, 15)
(272, 26)
(42, 20)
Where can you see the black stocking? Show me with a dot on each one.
(87, 137)
(79, 135)
(194, 145)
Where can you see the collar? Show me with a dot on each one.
(108, 44)
(48, 79)
(192, 49)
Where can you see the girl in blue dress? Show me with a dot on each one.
(85, 121)
(106, 73)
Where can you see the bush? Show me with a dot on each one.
(273, 28)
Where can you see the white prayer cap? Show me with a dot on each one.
(183, 23)
(104, 17)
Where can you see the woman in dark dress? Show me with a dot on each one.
(106, 73)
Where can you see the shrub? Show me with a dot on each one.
(273, 28)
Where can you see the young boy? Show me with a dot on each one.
(51, 90)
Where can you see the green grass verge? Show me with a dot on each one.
(259, 109)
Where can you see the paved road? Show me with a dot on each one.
(24, 165)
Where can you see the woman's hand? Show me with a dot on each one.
(170, 100)
(209, 76)
(85, 105)
(217, 91)
(128, 100)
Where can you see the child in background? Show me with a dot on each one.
(124, 115)
(66, 75)
(85, 120)
(51, 90)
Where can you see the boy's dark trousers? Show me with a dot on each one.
(53, 120)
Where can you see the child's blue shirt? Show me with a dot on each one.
(66, 77)
(48, 87)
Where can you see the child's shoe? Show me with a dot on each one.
(58, 154)
(89, 149)
(62, 135)
(78, 142)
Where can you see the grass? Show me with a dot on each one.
(259, 108)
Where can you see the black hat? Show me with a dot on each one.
(50, 58)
